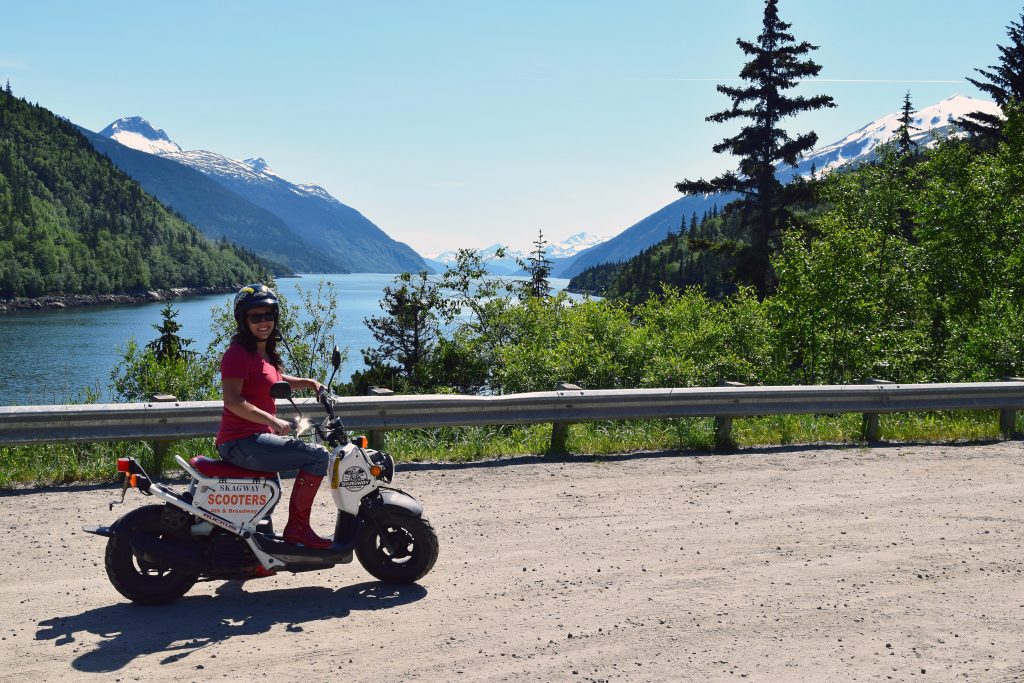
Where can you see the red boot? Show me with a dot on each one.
(297, 531)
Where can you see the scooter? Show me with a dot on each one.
(220, 527)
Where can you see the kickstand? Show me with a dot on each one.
(124, 490)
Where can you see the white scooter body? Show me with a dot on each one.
(351, 479)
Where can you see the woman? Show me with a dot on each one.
(251, 435)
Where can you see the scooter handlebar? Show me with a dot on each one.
(326, 399)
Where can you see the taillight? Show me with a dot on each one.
(124, 464)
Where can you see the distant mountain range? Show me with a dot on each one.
(557, 252)
(932, 122)
(247, 203)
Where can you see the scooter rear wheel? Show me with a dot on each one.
(402, 548)
(135, 576)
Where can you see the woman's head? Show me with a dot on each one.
(251, 297)
(256, 312)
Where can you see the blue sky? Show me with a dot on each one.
(462, 123)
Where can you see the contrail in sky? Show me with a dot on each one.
(882, 80)
(836, 80)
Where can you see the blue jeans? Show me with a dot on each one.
(273, 453)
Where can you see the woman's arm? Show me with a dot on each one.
(297, 383)
(234, 402)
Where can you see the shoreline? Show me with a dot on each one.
(62, 301)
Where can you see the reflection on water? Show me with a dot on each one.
(51, 356)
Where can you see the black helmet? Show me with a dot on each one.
(253, 296)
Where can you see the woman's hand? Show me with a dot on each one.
(281, 427)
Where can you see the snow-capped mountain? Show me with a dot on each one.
(218, 212)
(935, 121)
(347, 237)
(573, 244)
(259, 165)
(137, 133)
(508, 265)
(932, 123)
(570, 246)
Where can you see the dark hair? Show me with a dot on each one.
(248, 341)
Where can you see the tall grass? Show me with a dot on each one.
(688, 434)
(50, 464)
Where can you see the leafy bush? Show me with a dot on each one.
(166, 365)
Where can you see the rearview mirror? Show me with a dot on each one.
(281, 390)
(336, 358)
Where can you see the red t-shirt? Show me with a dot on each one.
(257, 375)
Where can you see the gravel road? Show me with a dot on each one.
(815, 563)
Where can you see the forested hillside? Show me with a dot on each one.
(71, 222)
(706, 251)
(701, 252)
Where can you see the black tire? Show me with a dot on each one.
(414, 545)
(135, 577)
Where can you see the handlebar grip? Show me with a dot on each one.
(324, 397)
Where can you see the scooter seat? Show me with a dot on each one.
(208, 467)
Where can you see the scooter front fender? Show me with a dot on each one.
(392, 500)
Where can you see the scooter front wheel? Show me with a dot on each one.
(136, 576)
(401, 548)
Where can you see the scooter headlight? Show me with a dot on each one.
(383, 466)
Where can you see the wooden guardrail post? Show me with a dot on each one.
(869, 429)
(160, 447)
(560, 430)
(376, 436)
(723, 424)
(1008, 416)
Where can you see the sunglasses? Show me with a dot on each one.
(261, 317)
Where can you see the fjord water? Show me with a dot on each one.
(51, 356)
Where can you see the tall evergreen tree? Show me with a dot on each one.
(408, 331)
(1003, 82)
(905, 145)
(778, 63)
(538, 266)
(169, 345)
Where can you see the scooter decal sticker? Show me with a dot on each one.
(355, 478)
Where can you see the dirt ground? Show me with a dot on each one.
(819, 564)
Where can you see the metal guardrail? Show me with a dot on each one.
(169, 421)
